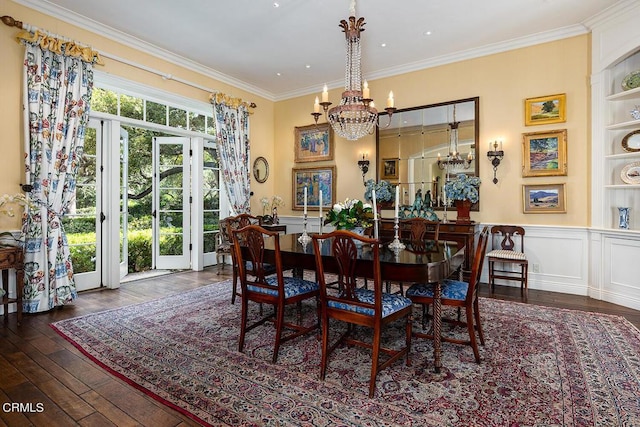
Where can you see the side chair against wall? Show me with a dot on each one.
(276, 290)
(223, 247)
(358, 306)
(456, 293)
(507, 244)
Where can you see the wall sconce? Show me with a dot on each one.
(364, 165)
(495, 156)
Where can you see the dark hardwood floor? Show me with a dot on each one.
(38, 366)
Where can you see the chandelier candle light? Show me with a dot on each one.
(356, 115)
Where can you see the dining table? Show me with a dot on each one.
(432, 262)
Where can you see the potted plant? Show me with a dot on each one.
(385, 193)
(351, 214)
(464, 192)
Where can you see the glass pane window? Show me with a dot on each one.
(104, 101)
(131, 107)
(156, 113)
(197, 122)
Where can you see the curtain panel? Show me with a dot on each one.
(232, 140)
(57, 93)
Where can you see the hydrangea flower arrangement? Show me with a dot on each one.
(464, 187)
(385, 192)
(350, 214)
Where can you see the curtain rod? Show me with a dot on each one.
(11, 22)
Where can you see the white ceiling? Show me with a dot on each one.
(247, 42)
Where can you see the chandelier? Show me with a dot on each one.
(453, 160)
(356, 115)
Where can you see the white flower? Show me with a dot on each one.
(337, 207)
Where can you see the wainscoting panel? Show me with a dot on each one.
(620, 280)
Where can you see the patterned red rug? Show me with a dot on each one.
(540, 367)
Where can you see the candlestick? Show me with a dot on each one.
(316, 106)
(397, 199)
(390, 100)
(325, 94)
(375, 213)
(305, 200)
(320, 209)
(365, 90)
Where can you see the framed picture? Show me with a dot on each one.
(314, 143)
(544, 153)
(389, 168)
(545, 109)
(314, 180)
(544, 198)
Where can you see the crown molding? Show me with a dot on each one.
(83, 22)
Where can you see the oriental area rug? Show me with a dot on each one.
(540, 367)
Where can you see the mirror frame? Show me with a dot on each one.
(256, 166)
(475, 100)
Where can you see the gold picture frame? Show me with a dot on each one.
(545, 110)
(314, 179)
(544, 153)
(313, 143)
(390, 168)
(544, 198)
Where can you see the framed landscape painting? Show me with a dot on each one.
(313, 143)
(314, 180)
(544, 153)
(545, 109)
(544, 198)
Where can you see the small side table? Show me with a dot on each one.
(12, 257)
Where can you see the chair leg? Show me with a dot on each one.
(243, 324)
(234, 290)
(325, 347)
(476, 311)
(279, 323)
(374, 362)
(472, 334)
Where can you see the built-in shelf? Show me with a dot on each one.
(625, 125)
(623, 96)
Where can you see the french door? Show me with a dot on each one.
(171, 203)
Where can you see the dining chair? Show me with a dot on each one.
(507, 249)
(234, 223)
(223, 244)
(457, 293)
(420, 235)
(276, 290)
(355, 305)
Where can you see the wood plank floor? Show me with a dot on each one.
(38, 366)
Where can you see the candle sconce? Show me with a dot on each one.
(495, 156)
(364, 166)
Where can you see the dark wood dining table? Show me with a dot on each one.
(439, 261)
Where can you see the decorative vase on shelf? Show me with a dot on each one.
(623, 218)
(464, 208)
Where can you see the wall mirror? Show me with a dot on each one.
(260, 169)
(416, 150)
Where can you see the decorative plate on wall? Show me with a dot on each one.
(631, 141)
(631, 81)
(631, 173)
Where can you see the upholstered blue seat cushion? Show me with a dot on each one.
(390, 303)
(293, 286)
(451, 289)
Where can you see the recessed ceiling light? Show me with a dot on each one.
(276, 4)
(426, 33)
(383, 45)
(307, 66)
(278, 74)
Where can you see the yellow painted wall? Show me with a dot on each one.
(11, 160)
(502, 81)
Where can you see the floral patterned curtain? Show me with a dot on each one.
(57, 90)
(232, 139)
